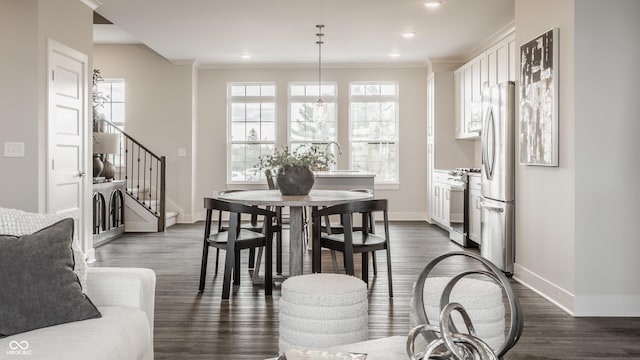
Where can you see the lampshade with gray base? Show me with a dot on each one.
(103, 144)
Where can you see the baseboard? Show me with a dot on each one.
(408, 216)
(189, 218)
(543, 287)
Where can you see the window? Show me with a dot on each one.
(303, 130)
(252, 128)
(373, 129)
(113, 107)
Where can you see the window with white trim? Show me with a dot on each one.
(252, 129)
(373, 129)
(113, 107)
(303, 129)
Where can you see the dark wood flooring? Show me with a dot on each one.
(189, 325)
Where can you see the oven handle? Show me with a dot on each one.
(491, 207)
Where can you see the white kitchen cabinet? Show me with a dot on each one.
(493, 66)
(443, 150)
(474, 207)
(441, 199)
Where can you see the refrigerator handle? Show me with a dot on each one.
(490, 207)
(490, 130)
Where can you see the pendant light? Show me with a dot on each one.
(320, 108)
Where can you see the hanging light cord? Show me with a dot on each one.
(319, 42)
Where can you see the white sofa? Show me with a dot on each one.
(124, 296)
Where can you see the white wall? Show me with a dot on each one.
(159, 111)
(576, 240)
(25, 26)
(211, 141)
(606, 161)
(545, 196)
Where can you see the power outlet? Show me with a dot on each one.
(13, 149)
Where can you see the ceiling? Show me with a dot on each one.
(217, 32)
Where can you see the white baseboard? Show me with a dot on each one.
(543, 287)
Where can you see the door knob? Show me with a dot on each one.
(82, 174)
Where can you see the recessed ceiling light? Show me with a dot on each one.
(394, 54)
(245, 56)
(433, 4)
(408, 35)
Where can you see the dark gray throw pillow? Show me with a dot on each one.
(38, 287)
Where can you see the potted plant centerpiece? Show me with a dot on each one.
(293, 169)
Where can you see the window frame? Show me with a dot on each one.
(109, 102)
(388, 184)
(326, 98)
(260, 99)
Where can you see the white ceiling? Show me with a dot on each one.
(217, 32)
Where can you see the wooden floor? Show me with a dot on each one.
(189, 325)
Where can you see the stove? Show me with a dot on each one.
(459, 205)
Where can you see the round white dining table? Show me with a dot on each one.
(296, 203)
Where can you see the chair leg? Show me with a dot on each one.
(203, 267)
(365, 267)
(334, 262)
(348, 260)
(256, 270)
(374, 262)
(389, 272)
(228, 268)
(279, 252)
(268, 264)
(236, 269)
(217, 256)
(252, 257)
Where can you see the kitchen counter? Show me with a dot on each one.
(343, 180)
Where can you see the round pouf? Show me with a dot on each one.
(322, 310)
(482, 299)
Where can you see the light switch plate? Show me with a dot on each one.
(182, 152)
(13, 149)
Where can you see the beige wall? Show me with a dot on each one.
(212, 126)
(158, 109)
(25, 26)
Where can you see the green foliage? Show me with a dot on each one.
(310, 157)
(98, 100)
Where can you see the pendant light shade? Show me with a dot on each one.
(320, 111)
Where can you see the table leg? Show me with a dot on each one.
(296, 248)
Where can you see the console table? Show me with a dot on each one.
(108, 211)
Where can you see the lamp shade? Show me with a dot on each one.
(106, 143)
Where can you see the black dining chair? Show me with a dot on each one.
(338, 228)
(253, 225)
(234, 240)
(352, 242)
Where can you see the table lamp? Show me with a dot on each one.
(104, 143)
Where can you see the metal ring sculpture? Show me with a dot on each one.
(460, 346)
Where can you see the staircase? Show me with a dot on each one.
(144, 174)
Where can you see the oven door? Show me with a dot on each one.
(457, 211)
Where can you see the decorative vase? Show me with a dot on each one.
(97, 165)
(295, 180)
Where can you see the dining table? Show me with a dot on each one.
(296, 204)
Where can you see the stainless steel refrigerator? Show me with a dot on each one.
(498, 176)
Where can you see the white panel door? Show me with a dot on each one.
(67, 150)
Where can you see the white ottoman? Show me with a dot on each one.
(322, 310)
(482, 299)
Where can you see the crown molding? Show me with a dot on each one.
(205, 66)
(505, 31)
(92, 4)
